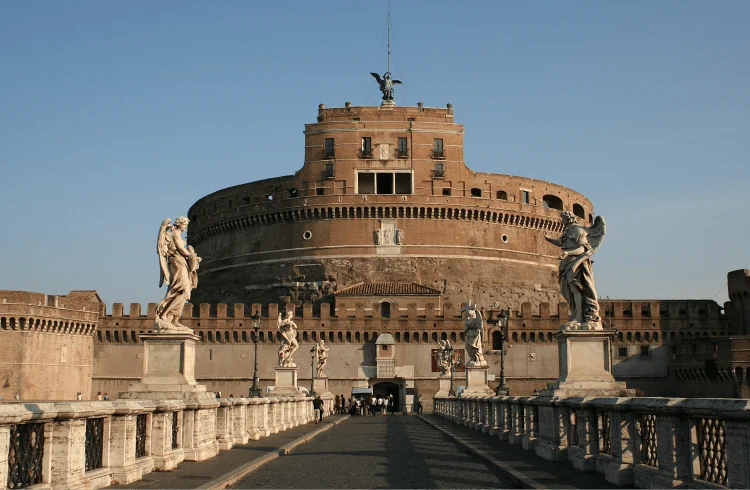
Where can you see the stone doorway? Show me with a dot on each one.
(385, 389)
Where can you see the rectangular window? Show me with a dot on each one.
(328, 149)
(645, 351)
(622, 351)
(384, 183)
(437, 148)
(525, 197)
(366, 183)
(328, 173)
(403, 147)
(447, 191)
(439, 171)
(320, 191)
(403, 183)
(366, 147)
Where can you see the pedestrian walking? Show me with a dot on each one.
(392, 404)
(106, 397)
(317, 408)
(79, 397)
(420, 406)
(385, 406)
(337, 404)
(18, 396)
(99, 396)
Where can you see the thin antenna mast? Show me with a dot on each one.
(389, 38)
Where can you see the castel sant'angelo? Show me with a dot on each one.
(375, 245)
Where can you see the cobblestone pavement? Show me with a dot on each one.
(377, 452)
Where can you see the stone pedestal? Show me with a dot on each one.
(445, 386)
(586, 365)
(477, 382)
(286, 382)
(169, 374)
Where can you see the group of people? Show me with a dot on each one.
(364, 406)
(99, 396)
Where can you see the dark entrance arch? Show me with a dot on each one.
(386, 388)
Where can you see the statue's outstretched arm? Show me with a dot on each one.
(574, 251)
(553, 241)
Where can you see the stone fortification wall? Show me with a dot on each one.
(46, 346)
(647, 330)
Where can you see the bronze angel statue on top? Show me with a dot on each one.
(386, 84)
(578, 244)
(179, 269)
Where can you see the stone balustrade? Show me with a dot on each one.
(643, 442)
(94, 444)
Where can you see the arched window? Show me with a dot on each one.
(397, 336)
(514, 336)
(244, 336)
(108, 336)
(132, 336)
(385, 309)
(476, 192)
(453, 336)
(502, 195)
(434, 336)
(117, 336)
(98, 335)
(497, 340)
(425, 338)
(578, 211)
(551, 201)
(235, 336)
(348, 336)
(356, 337)
(367, 337)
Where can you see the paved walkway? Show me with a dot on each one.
(526, 465)
(378, 452)
(204, 474)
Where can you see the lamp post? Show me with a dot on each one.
(451, 391)
(255, 391)
(503, 320)
(312, 370)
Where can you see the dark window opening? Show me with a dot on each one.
(502, 195)
(403, 148)
(525, 197)
(329, 172)
(476, 192)
(446, 191)
(622, 352)
(437, 148)
(328, 148)
(366, 183)
(385, 309)
(384, 183)
(403, 183)
(366, 150)
(293, 193)
(578, 211)
(320, 191)
(552, 202)
(497, 337)
(439, 170)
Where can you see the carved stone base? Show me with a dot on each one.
(586, 365)
(320, 385)
(477, 382)
(286, 382)
(445, 386)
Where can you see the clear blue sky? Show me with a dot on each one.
(114, 116)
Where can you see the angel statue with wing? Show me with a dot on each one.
(288, 338)
(578, 244)
(386, 84)
(443, 357)
(179, 269)
(474, 336)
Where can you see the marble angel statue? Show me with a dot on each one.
(474, 336)
(179, 269)
(322, 351)
(578, 244)
(288, 337)
(443, 356)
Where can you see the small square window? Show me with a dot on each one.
(622, 351)
(320, 191)
(447, 191)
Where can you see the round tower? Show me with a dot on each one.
(384, 195)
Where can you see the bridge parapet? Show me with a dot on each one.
(644, 442)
